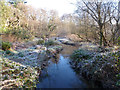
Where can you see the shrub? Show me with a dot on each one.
(20, 33)
(6, 45)
(9, 52)
(20, 54)
(40, 42)
(80, 54)
(117, 57)
(50, 43)
(119, 41)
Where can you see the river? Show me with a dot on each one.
(59, 73)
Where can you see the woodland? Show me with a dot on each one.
(30, 38)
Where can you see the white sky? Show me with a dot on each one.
(62, 6)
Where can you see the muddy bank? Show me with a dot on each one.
(96, 65)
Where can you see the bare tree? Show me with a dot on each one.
(100, 12)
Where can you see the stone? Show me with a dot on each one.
(43, 48)
(63, 40)
(37, 51)
(38, 46)
(44, 64)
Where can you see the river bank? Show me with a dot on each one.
(97, 65)
(21, 67)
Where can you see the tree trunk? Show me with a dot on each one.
(104, 41)
(119, 34)
(101, 35)
(113, 38)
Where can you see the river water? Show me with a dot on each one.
(59, 74)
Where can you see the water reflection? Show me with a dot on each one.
(56, 60)
(68, 50)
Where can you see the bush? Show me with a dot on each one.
(50, 43)
(40, 42)
(119, 41)
(9, 52)
(20, 33)
(80, 54)
(117, 57)
(6, 45)
(20, 54)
